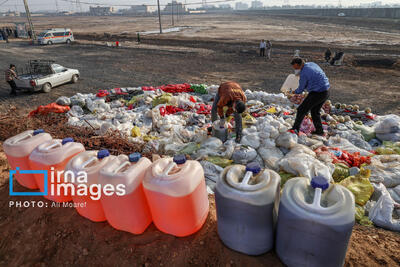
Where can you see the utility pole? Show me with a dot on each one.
(28, 15)
(172, 11)
(57, 8)
(159, 15)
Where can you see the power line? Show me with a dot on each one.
(2, 3)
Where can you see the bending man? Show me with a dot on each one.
(230, 95)
(314, 80)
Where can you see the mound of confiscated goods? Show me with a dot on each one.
(361, 151)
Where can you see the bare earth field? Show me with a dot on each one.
(210, 49)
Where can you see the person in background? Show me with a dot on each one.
(262, 48)
(269, 48)
(230, 95)
(138, 38)
(338, 56)
(5, 35)
(328, 54)
(10, 75)
(314, 80)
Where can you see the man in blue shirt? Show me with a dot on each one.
(314, 80)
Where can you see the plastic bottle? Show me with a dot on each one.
(53, 156)
(88, 203)
(129, 211)
(220, 131)
(18, 148)
(177, 196)
(245, 198)
(314, 227)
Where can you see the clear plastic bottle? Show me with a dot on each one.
(245, 199)
(18, 149)
(53, 156)
(314, 223)
(176, 193)
(130, 211)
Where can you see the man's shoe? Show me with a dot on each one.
(13, 93)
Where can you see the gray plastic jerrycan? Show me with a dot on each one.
(245, 199)
(220, 131)
(315, 222)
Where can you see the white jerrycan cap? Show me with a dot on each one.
(319, 183)
(252, 168)
(100, 155)
(177, 160)
(132, 158)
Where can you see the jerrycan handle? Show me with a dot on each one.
(178, 160)
(100, 155)
(319, 183)
(28, 135)
(58, 144)
(252, 168)
(51, 146)
(133, 158)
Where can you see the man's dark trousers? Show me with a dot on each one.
(13, 87)
(262, 52)
(313, 102)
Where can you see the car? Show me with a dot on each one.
(43, 75)
(341, 14)
(56, 36)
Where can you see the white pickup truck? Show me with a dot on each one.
(41, 75)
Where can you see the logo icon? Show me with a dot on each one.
(17, 170)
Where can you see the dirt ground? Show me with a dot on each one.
(211, 50)
(58, 236)
(215, 49)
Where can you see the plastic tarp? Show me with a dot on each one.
(286, 140)
(244, 154)
(344, 144)
(302, 163)
(388, 129)
(50, 108)
(381, 214)
(385, 169)
(367, 132)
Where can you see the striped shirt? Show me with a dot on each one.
(10, 75)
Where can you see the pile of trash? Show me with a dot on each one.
(361, 150)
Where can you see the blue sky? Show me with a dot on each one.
(36, 5)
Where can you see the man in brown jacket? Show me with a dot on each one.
(230, 94)
(10, 75)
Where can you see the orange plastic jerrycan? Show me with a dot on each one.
(88, 192)
(18, 148)
(177, 196)
(127, 209)
(53, 156)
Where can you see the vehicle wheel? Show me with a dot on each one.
(74, 78)
(46, 88)
(49, 42)
(68, 41)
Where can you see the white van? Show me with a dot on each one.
(56, 36)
